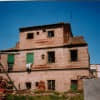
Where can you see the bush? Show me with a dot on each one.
(49, 97)
(78, 97)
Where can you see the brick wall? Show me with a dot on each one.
(62, 59)
(42, 39)
(62, 78)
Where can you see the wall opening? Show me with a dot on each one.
(51, 57)
(74, 84)
(50, 34)
(28, 85)
(30, 36)
(74, 55)
(51, 84)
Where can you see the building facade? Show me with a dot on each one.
(49, 55)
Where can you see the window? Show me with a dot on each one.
(37, 33)
(28, 85)
(30, 36)
(51, 84)
(43, 56)
(37, 84)
(30, 58)
(10, 67)
(74, 84)
(50, 34)
(73, 54)
(51, 57)
(44, 30)
(10, 61)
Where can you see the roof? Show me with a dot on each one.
(76, 40)
(43, 27)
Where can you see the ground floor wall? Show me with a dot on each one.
(62, 78)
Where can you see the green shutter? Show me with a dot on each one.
(73, 87)
(11, 58)
(30, 58)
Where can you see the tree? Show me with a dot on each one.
(7, 75)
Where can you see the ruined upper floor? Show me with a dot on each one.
(44, 35)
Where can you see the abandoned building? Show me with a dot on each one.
(48, 56)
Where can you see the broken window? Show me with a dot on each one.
(51, 57)
(28, 85)
(10, 61)
(51, 84)
(73, 54)
(74, 84)
(30, 36)
(50, 34)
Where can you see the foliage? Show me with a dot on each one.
(47, 97)
(78, 97)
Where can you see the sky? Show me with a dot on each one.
(84, 18)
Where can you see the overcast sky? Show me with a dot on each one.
(83, 16)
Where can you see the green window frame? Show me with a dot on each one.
(11, 58)
(30, 58)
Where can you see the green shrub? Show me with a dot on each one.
(79, 97)
(38, 92)
(49, 97)
(10, 97)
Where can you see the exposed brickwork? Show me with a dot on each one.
(62, 36)
(62, 78)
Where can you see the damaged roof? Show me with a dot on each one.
(76, 40)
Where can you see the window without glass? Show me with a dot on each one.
(51, 84)
(43, 56)
(37, 33)
(73, 54)
(28, 85)
(10, 61)
(44, 30)
(37, 84)
(51, 57)
(30, 35)
(74, 84)
(50, 34)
